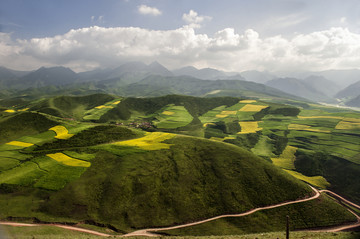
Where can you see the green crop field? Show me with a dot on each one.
(172, 117)
(136, 164)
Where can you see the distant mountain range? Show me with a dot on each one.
(315, 88)
(140, 79)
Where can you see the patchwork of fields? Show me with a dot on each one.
(308, 143)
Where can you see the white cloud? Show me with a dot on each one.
(86, 48)
(194, 20)
(146, 10)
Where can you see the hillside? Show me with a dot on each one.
(45, 77)
(355, 102)
(126, 163)
(349, 92)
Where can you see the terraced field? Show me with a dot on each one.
(96, 112)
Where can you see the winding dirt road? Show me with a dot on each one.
(148, 232)
(151, 232)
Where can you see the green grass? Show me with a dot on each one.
(264, 147)
(48, 232)
(7, 163)
(177, 117)
(80, 155)
(313, 214)
(26, 174)
(57, 175)
(45, 232)
(317, 181)
(23, 124)
(153, 188)
(95, 114)
(91, 136)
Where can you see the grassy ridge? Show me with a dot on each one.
(153, 188)
(135, 187)
(23, 124)
(71, 106)
(93, 136)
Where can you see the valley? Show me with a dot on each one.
(134, 163)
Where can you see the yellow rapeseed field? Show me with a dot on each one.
(252, 108)
(151, 141)
(104, 106)
(25, 109)
(306, 128)
(247, 101)
(348, 124)
(116, 102)
(286, 159)
(20, 144)
(318, 181)
(61, 132)
(66, 160)
(9, 111)
(206, 124)
(320, 117)
(166, 112)
(248, 127)
(228, 112)
(221, 116)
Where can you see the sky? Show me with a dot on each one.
(229, 35)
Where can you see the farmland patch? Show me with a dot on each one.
(61, 132)
(69, 161)
(20, 144)
(151, 141)
(318, 181)
(173, 117)
(248, 127)
(252, 108)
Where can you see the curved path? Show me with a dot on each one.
(151, 232)
(147, 232)
(16, 224)
(345, 227)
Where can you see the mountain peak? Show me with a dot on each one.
(156, 68)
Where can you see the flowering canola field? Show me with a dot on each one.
(151, 141)
(248, 127)
(61, 132)
(66, 160)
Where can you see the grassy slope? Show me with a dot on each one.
(313, 214)
(155, 188)
(23, 124)
(71, 106)
(123, 168)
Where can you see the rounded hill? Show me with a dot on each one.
(192, 180)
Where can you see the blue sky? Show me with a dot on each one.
(304, 34)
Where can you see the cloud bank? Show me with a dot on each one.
(88, 48)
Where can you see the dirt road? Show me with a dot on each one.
(151, 232)
(148, 232)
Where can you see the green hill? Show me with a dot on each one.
(71, 106)
(156, 188)
(72, 162)
(23, 124)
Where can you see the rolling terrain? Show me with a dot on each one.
(133, 163)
